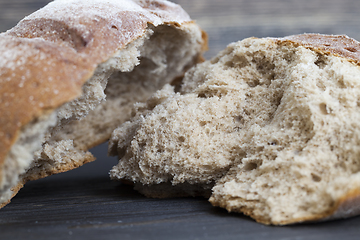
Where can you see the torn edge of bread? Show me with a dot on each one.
(161, 43)
(271, 124)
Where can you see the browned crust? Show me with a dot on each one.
(14, 191)
(88, 157)
(54, 170)
(50, 58)
(205, 46)
(337, 45)
(59, 168)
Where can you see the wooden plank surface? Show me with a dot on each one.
(85, 204)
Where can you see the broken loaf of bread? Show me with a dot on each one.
(269, 127)
(70, 72)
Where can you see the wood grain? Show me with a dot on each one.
(85, 204)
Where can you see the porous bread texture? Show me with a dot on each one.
(132, 75)
(167, 142)
(161, 55)
(60, 140)
(160, 59)
(273, 125)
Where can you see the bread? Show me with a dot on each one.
(269, 128)
(70, 72)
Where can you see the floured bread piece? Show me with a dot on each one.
(271, 126)
(70, 72)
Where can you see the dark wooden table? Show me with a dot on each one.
(85, 204)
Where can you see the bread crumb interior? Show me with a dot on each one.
(274, 126)
(131, 75)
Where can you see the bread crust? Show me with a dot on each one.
(88, 157)
(50, 54)
(336, 45)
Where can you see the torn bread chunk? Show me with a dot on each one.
(70, 72)
(271, 126)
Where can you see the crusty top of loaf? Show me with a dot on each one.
(337, 45)
(50, 54)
